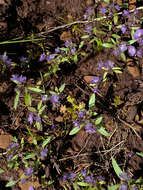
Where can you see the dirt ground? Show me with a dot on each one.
(23, 18)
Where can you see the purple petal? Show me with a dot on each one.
(131, 50)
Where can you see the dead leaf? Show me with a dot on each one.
(134, 71)
(5, 140)
(63, 109)
(59, 119)
(65, 36)
(88, 78)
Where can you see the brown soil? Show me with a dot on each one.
(19, 18)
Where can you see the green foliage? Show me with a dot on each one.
(91, 102)
(117, 169)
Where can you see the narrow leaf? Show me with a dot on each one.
(1, 171)
(82, 184)
(74, 130)
(139, 154)
(85, 37)
(107, 45)
(62, 87)
(11, 183)
(114, 187)
(16, 99)
(46, 141)
(102, 131)
(29, 156)
(36, 90)
(116, 167)
(98, 121)
(91, 101)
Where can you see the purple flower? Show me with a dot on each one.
(77, 123)
(28, 172)
(23, 181)
(30, 118)
(51, 57)
(68, 43)
(85, 16)
(100, 64)
(89, 129)
(95, 90)
(18, 79)
(73, 50)
(89, 10)
(138, 34)
(134, 188)
(54, 98)
(53, 127)
(88, 29)
(37, 118)
(132, 50)
(83, 172)
(103, 10)
(140, 53)
(30, 188)
(6, 60)
(123, 187)
(125, 176)
(109, 64)
(57, 50)
(130, 154)
(100, 178)
(125, 13)
(123, 47)
(81, 113)
(23, 59)
(95, 80)
(9, 158)
(69, 176)
(44, 153)
(12, 145)
(117, 7)
(43, 57)
(44, 97)
(123, 29)
(89, 179)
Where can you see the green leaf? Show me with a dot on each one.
(39, 105)
(30, 155)
(139, 154)
(62, 87)
(107, 45)
(85, 36)
(107, 1)
(114, 187)
(81, 44)
(115, 18)
(1, 171)
(117, 169)
(36, 90)
(124, 5)
(16, 99)
(82, 184)
(38, 125)
(91, 101)
(98, 121)
(102, 131)
(131, 42)
(27, 98)
(74, 130)
(41, 110)
(11, 183)
(46, 141)
(75, 58)
(115, 36)
(32, 109)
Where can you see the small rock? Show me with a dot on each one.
(88, 78)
